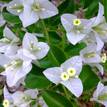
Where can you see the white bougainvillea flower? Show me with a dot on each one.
(90, 54)
(30, 11)
(67, 75)
(19, 98)
(24, 98)
(16, 68)
(97, 20)
(76, 29)
(93, 38)
(2, 21)
(99, 24)
(100, 94)
(32, 48)
(8, 44)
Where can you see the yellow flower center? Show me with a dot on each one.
(71, 72)
(64, 76)
(104, 58)
(76, 22)
(6, 103)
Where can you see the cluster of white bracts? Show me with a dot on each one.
(17, 57)
(17, 60)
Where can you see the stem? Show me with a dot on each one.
(66, 93)
(51, 55)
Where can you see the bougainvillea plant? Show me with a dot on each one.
(53, 53)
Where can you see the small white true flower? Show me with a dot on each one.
(100, 94)
(30, 11)
(6, 103)
(9, 44)
(76, 22)
(64, 76)
(33, 49)
(67, 75)
(16, 68)
(76, 29)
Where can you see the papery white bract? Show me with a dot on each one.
(16, 68)
(2, 21)
(9, 44)
(19, 98)
(41, 102)
(76, 29)
(99, 24)
(32, 48)
(93, 38)
(90, 54)
(100, 94)
(67, 75)
(31, 11)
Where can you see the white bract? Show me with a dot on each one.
(93, 38)
(33, 49)
(100, 94)
(30, 11)
(9, 44)
(76, 29)
(40, 103)
(19, 98)
(2, 21)
(67, 75)
(16, 68)
(99, 24)
(92, 55)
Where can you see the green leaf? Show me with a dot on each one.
(72, 50)
(92, 9)
(87, 3)
(45, 62)
(11, 18)
(89, 78)
(105, 9)
(36, 27)
(5, 0)
(1, 31)
(59, 54)
(54, 99)
(105, 66)
(36, 81)
(54, 38)
(68, 6)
